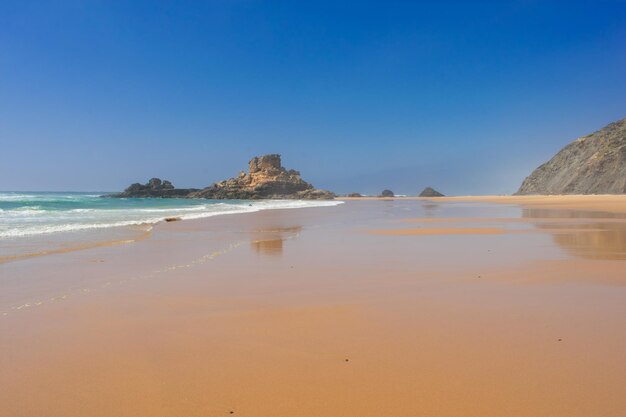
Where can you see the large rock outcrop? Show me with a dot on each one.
(266, 179)
(593, 164)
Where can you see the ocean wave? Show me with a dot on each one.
(23, 211)
(16, 197)
(46, 197)
(43, 230)
(85, 219)
(171, 209)
(263, 205)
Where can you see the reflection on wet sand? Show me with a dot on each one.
(590, 235)
(539, 213)
(430, 209)
(268, 247)
(270, 241)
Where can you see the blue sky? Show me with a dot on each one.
(358, 96)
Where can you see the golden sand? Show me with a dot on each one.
(299, 313)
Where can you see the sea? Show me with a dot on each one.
(34, 223)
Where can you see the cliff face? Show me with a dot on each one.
(267, 178)
(593, 164)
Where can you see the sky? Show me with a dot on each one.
(467, 97)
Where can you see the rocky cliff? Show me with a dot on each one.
(593, 164)
(266, 178)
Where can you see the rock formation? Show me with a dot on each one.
(154, 188)
(354, 195)
(430, 192)
(593, 164)
(387, 193)
(266, 179)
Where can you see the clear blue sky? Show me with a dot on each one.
(357, 95)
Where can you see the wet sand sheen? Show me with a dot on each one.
(438, 231)
(141, 235)
(299, 313)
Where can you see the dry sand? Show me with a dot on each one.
(310, 313)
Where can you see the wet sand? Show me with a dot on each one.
(313, 312)
(599, 203)
(434, 231)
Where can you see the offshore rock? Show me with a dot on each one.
(154, 188)
(266, 179)
(430, 192)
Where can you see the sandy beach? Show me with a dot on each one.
(456, 306)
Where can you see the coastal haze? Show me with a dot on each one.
(307, 209)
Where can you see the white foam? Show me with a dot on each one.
(41, 222)
(16, 197)
(23, 211)
(42, 230)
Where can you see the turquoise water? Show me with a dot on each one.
(30, 214)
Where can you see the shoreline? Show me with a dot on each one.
(615, 204)
(84, 246)
(85, 235)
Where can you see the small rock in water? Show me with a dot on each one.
(172, 219)
(430, 192)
